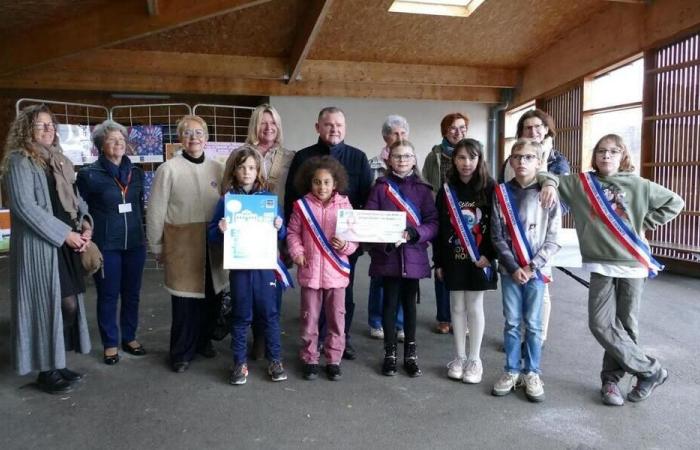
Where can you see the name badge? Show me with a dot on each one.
(124, 208)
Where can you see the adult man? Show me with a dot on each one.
(330, 127)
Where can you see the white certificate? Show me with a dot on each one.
(356, 225)
(250, 240)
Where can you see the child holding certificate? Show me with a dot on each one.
(250, 289)
(322, 260)
(612, 209)
(463, 252)
(403, 264)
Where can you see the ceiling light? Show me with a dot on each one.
(456, 8)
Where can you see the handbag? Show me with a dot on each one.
(91, 259)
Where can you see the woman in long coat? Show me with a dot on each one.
(50, 227)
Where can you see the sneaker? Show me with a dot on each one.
(349, 353)
(442, 328)
(333, 372)
(645, 386)
(611, 395)
(455, 368)
(473, 372)
(400, 335)
(534, 387)
(239, 374)
(310, 371)
(508, 382)
(466, 330)
(276, 371)
(376, 333)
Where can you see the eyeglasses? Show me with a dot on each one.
(404, 157)
(521, 158)
(612, 151)
(461, 129)
(45, 126)
(189, 133)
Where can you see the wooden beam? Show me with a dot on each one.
(111, 24)
(229, 66)
(184, 84)
(629, 1)
(306, 36)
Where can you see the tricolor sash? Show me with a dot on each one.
(624, 234)
(523, 252)
(282, 275)
(461, 227)
(320, 239)
(403, 203)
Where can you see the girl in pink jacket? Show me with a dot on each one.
(322, 261)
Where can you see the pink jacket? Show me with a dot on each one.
(318, 273)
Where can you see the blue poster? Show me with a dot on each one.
(250, 240)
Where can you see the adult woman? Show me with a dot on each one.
(184, 193)
(113, 189)
(453, 128)
(50, 226)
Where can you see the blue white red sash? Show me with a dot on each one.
(624, 234)
(461, 227)
(320, 239)
(523, 252)
(404, 204)
(282, 275)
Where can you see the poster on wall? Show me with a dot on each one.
(148, 176)
(146, 143)
(76, 143)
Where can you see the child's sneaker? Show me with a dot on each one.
(310, 371)
(473, 372)
(376, 333)
(400, 335)
(333, 372)
(455, 368)
(534, 388)
(239, 374)
(276, 371)
(507, 383)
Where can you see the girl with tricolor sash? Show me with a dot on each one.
(463, 253)
(322, 263)
(403, 264)
(612, 209)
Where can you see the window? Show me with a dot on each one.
(456, 8)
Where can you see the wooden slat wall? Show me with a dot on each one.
(671, 136)
(566, 109)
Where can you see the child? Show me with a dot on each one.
(612, 209)
(525, 236)
(250, 289)
(322, 259)
(463, 252)
(401, 265)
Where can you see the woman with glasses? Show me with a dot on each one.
(50, 228)
(113, 189)
(183, 197)
(453, 128)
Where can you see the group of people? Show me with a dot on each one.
(478, 228)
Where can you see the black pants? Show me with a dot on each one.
(397, 291)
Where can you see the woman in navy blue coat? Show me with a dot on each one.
(113, 189)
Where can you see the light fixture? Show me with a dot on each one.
(456, 8)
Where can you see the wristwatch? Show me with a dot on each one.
(532, 267)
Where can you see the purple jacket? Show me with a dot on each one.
(408, 260)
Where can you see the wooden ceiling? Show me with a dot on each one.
(350, 48)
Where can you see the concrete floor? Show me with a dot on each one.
(140, 403)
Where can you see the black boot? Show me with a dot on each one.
(389, 365)
(52, 382)
(410, 360)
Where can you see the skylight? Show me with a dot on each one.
(456, 8)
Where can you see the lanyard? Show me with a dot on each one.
(122, 188)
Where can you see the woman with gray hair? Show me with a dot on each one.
(113, 189)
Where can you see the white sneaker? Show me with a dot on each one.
(376, 333)
(534, 388)
(508, 382)
(455, 368)
(400, 336)
(473, 372)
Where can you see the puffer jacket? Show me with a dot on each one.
(409, 260)
(318, 273)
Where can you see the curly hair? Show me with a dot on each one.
(474, 148)
(234, 161)
(21, 134)
(626, 164)
(303, 178)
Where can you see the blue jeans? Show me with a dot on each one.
(375, 305)
(522, 303)
(123, 271)
(442, 302)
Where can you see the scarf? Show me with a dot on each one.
(120, 172)
(64, 173)
(447, 148)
